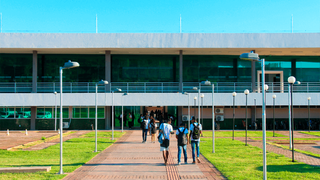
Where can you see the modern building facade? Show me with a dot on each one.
(155, 69)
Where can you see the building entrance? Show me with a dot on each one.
(274, 79)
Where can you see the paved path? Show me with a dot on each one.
(128, 158)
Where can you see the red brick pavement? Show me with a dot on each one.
(128, 158)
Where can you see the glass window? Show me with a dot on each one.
(92, 111)
(277, 63)
(308, 69)
(65, 113)
(23, 112)
(92, 68)
(145, 68)
(44, 112)
(15, 67)
(244, 71)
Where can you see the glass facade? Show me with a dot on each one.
(145, 68)
(87, 112)
(15, 67)
(308, 69)
(15, 112)
(92, 68)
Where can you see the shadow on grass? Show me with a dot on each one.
(299, 168)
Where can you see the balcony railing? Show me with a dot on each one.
(155, 87)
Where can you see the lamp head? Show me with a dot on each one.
(309, 98)
(234, 94)
(118, 89)
(274, 96)
(185, 93)
(206, 82)
(246, 92)
(102, 82)
(195, 98)
(249, 56)
(266, 87)
(70, 64)
(291, 79)
(125, 94)
(55, 93)
(202, 95)
(195, 88)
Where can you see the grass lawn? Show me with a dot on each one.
(315, 133)
(104, 134)
(304, 139)
(239, 134)
(237, 161)
(76, 152)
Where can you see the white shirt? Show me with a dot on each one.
(191, 130)
(181, 129)
(167, 129)
(147, 123)
(155, 125)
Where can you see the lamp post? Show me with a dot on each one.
(124, 94)
(112, 109)
(195, 103)
(246, 92)
(67, 65)
(255, 57)
(274, 102)
(291, 81)
(234, 96)
(55, 111)
(309, 98)
(102, 82)
(185, 93)
(255, 114)
(202, 96)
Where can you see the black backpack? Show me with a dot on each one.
(153, 128)
(182, 138)
(196, 132)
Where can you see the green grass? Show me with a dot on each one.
(76, 152)
(237, 161)
(275, 139)
(239, 134)
(317, 133)
(104, 134)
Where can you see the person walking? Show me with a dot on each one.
(194, 136)
(166, 129)
(145, 127)
(182, 137)
(153, 128)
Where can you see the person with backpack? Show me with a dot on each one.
(182, 137)
(153, 128)
(166, 129)
(145, 127)
(194, 136)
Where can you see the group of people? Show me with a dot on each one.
(125, 119)
(184, 136)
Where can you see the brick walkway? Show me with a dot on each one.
(128, 158)
(288, 153)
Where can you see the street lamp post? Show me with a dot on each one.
(124, 94)
(309, 98)
(291, 81)
(255, 57)
(185, 93)
(67, 65)
(234, 96)
(274, 102)
(246, 92)
(55, 111)
(195, 103)
(112, 109)
(202, 96)
(102, 82)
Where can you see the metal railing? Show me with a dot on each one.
(155, 87)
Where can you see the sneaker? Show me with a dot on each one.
(193, 162)
(143, 141)
(198, 160)
(186, 162)
(179, 163)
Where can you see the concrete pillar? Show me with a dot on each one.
(33, 117)
(108, 70)
(180, 71)
(179, 116)
(34, 71)
(107, 112)
(253, 77)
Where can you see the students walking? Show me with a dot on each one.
(166, 129)
(195, 131)
(153, 129)
(182, 137)
(145, 126)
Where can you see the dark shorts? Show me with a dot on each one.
(165, 143)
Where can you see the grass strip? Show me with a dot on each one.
(237, 161)
(103, 134)
(295, 149)
(275, 139)
(317, 133)
(239, 134)
(27, 145)
(76, 152)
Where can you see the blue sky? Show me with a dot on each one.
(143, 16)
